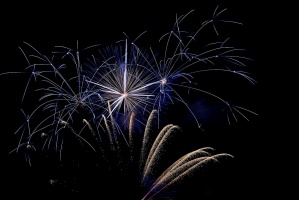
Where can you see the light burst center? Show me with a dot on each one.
(163, 81)
(124, 95)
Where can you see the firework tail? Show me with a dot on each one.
(113, 131)
(157, 149)
(184, 159)
(111, 138)
(131, 132)
(179, 173)
(98, 139)
(92, 131)
(146, 137)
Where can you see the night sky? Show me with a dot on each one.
(79, 174)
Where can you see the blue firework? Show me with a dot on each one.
(79, 87)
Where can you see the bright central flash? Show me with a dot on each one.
(124, 95)
(164, 81)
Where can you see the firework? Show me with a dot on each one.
(100, 94)
(128, 78)
(141, 164)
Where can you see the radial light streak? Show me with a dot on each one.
(125, 78)
(100, 98)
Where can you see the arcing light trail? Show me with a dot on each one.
(128, 78)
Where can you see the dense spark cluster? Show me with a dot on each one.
(82, 91)
(73, 83)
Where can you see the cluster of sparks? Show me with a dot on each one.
(121, 81)
(141, 158)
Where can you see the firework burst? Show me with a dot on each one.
(96, 91)
(73, 84)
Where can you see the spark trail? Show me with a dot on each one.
(93, 92)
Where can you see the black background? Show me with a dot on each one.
(44, 25)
